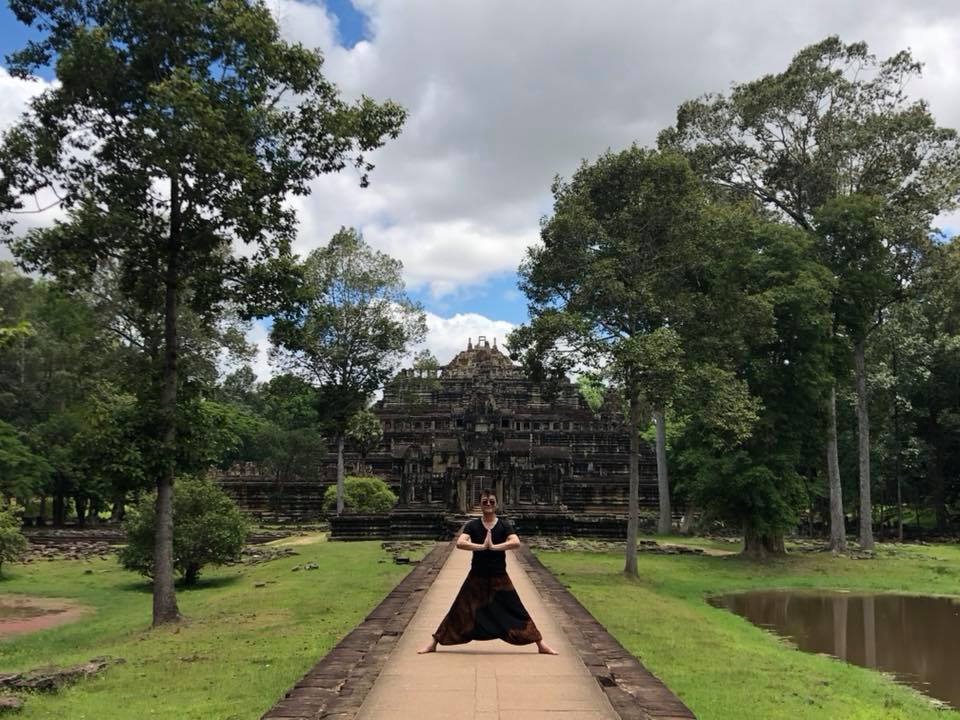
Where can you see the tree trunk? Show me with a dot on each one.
(58, 509)
(191, 575)
(665, 521)
(340, 473)
(633, 506)
(896, 445)
(838, 530)
(80, 502)
(117, 512)
(863, 427)
(759, 545)
(938, 486)
(686, 527)
(899, 508)
(164, 596)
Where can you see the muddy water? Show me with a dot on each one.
(915, 638)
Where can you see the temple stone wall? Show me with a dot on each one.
(480, 423)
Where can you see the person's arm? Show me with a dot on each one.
(464, 543)
(510, 543)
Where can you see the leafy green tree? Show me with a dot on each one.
(14, 290)
(610, 284)
(414, 387)
(921, 346)
(176, 129)
(22, 471)
(106, 449)
(12, 541)
(350, 331)
(590, 387)
(279, 429)
(874, 264)
(362, 495)
(364, 429)
(837, 122)
(751, 477)
(208, 529)
(426, 361)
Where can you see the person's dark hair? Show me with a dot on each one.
(487, 492)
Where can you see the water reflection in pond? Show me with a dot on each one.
(915, 638)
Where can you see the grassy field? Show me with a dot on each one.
(238, 650)
(723, 667)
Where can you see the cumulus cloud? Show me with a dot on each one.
(446, 336)
(15, 96)
(504, 96)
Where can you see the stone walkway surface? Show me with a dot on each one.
(489, 680)
(375, 672)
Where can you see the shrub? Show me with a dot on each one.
(12, 541)
(208, 529)
(360, 494)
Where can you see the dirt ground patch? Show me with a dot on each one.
(20, 614)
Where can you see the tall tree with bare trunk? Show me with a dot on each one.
(177, 130)
(837, 122)
(349, 331)
(607, 289)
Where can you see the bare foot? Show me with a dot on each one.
(428, 648)
(545, 649)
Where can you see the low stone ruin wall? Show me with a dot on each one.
(410, 525)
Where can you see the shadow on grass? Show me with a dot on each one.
(145, 586)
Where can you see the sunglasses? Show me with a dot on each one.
(488, 501)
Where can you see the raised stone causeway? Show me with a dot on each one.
(634, 692)
(337, 685)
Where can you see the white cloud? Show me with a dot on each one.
(259, 336)
(446, 336)
(504, 96)
(15, 95)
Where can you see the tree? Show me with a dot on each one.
(609, 285)
(22, 471)
(290, 444)
(175, 130)
(350, 330)
(748, 474)
(873, 264)
(426, 361)
(208, 529)
(364, 429)
(591, 389)
(362, 495)
(12, 541)
(836, 122)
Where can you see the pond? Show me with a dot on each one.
(23, 614)
(916, 638)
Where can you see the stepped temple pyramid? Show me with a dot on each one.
(476, 423)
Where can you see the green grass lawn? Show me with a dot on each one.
(238, 650)
(723, 667)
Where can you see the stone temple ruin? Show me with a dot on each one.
(478, 422)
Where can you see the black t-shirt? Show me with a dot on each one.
(488, 562)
